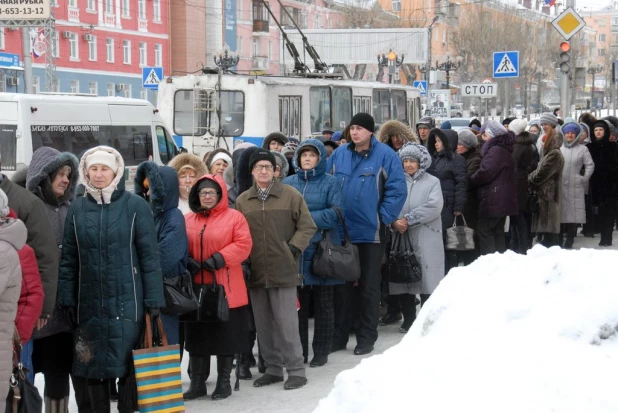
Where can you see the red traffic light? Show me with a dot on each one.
(565, 47)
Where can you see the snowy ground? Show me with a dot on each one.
(274, 399)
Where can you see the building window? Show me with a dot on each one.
(396, 5)
(270, 50)
(110, 89)
(74, 86)
(72, 3)
(259, 11)
(601, 52)
(109, 6)
(614, 20)
(143, 54)
(126, 8)
(73, 47)
(92, 5)
(158, 55)
(143, 94)
(127, 91)
(109, 48)
(141, 9)
(156, 11)
(602, 37)
(56, 45)
(126, 52)
(92, 49)
(256, 48)
(36, 84)
(1, 38)
(93, 88)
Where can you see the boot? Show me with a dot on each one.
(98, 392)
(224, 370)
(409, 312)
(197, 388)
(206, 372)
(245, 366)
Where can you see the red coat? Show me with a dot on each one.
(30, 302)
(225, 231)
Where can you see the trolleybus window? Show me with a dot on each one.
(399, 105)
(232, 113)
(342, 107)
(289, 115)
(362, 104)
(167, 150)
(191, 112)
(319, 105)
(381, 105)
(133, 142)
(8, 147)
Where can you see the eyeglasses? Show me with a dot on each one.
(262, 167)
(208, 194)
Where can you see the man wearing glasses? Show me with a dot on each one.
(281, 228)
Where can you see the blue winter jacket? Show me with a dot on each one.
(322, 193)
(374, 188)
(168, 219)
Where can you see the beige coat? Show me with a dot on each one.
(574, 184)
(12, 238)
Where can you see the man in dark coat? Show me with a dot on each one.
(497, 188)
(450, 169)
(603, 192)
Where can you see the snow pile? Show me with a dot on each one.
(509, 333)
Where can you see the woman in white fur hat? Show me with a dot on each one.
(109, 275)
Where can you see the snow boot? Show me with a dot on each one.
(223, 390)
(244, 372)
(199, 367)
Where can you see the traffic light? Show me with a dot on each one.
(565, 57)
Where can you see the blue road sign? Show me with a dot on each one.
(9, 59)
(506, 64)
(151, 77)
(422, 86)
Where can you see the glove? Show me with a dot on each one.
(193, 266)
(214, 262)
(153, 312)
(209, 264)
(246, 270)
(295, 251)
(71, 315)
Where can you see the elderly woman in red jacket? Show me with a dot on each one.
(219, 239)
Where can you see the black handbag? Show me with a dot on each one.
(23, 396)
(179, 295)
(532, 203)
(211, 299)
(401, 266)
(337, 261)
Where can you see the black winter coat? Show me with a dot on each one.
(603, 190)
(495, 179)
(450, 169)
(523, 153)
(471, 210)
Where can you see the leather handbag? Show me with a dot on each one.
(212, 305)
(23, 396)
(337, 261)
(532, 203)
(460, 238)
(179, 295)
(401, 266)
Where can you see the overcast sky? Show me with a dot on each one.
(592, 4)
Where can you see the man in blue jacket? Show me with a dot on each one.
(374, 191)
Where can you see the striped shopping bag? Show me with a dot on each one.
(157, 371)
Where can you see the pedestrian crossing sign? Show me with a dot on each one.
(421, 85)
(506, 64)
(151, 77)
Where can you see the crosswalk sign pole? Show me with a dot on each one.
(506, 110)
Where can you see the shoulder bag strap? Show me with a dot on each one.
(345, 228)
(147, 343)
(161, 332)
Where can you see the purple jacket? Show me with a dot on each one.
(495, 179)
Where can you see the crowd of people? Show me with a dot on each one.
(83, 259)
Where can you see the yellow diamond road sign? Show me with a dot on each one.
(568, 23)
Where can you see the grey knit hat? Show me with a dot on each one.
(549, 118)
(467, 138)
(4, 204)
(495, 128)
(416, 151)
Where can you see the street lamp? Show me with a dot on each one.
(448, 67)
(226, 61)
(593, 70)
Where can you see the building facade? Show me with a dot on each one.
(100, 47)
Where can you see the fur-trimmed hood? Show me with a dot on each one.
(285, 165)
(45, 161)
(188, 159)
(272, 136)
(102, 196)
(244, 178)
(394, 127)
(163, 184)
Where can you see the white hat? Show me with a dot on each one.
(221, 155)
(101, 157)
(4, 204)
(518, 126)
